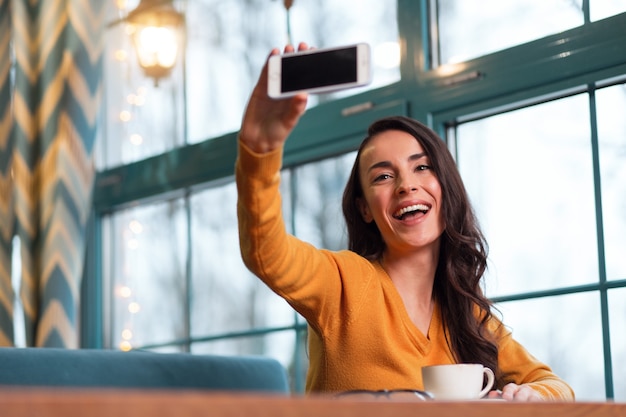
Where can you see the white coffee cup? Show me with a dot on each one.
(457, 381)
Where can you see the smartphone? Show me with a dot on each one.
(319, 70)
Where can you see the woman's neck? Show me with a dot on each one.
(412, 268)
(414, 277)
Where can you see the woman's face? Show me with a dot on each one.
(402, 194)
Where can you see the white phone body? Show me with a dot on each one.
(319, 70)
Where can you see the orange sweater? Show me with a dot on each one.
(361, 336)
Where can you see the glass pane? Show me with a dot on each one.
(617, 317)
(19, 328)
(529, 175)
(226, 297)
(601, 9)
(146, 271)
(141, 119)
(550, 329)
(228, 42)
(472, 28)
(610, 104)
(318, 214)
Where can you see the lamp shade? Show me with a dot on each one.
(157, 36)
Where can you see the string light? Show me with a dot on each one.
(120, 55)
(127, 334)
(124, 291)
(135, 226)
(125, 116)
(136, 139)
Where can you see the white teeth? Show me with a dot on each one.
(415, 207)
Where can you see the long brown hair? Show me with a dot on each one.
(463, 252)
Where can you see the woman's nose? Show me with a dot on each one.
(406, 185)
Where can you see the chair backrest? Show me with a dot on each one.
(139, 369)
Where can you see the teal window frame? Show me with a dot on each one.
(575, 60)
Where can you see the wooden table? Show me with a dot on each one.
(22, 402)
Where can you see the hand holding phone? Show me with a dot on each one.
(319, 70)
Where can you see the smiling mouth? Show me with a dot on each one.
(411, 211)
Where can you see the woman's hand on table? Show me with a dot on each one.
(514, 392)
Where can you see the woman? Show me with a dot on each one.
(406, 294)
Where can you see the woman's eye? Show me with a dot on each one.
(382, 177)
(422, 167)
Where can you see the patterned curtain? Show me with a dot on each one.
(51, 52)
(6, 194)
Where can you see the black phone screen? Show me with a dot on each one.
(319, 69)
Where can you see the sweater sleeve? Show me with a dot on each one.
(310, 279)
(519, 366)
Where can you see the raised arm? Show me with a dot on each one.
(287, 265)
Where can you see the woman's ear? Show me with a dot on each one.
(365, 210)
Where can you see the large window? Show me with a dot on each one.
(544, 236)
(532, 109)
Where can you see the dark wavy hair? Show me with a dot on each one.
(463, 252)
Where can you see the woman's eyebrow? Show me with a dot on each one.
(387, 164)
(381, 164)
(417, 156)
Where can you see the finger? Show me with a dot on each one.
(274, 51)
(495, 394)
(514, 392)
(509, 391)
(525, 393)
(261, 84)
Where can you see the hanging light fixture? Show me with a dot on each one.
(157, 30)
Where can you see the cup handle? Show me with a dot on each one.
(490, 380)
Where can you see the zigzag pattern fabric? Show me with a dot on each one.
(7, 294)
(57, 63)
